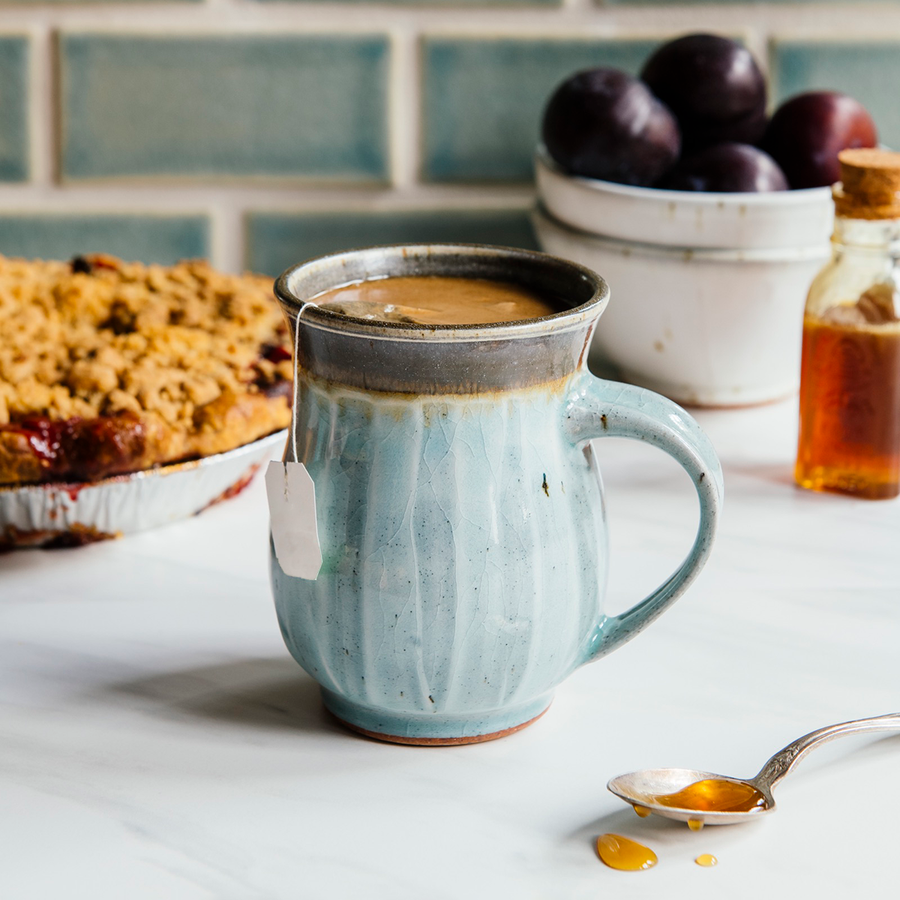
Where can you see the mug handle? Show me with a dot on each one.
(596, 409)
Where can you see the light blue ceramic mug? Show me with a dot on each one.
(460, 513)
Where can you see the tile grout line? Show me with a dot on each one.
(227, 213)
(573, 17)
(758, 45)
(99, 198)
(226, 240)
(404, 125)
(42, 108)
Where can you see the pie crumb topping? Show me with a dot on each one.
(197, 357)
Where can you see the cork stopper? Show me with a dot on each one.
(870, 184)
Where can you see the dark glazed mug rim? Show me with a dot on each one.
(472, 260)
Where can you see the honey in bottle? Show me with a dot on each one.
(850, 374)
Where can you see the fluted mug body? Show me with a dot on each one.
(460, 514)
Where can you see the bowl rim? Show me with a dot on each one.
(542, 217)
(792, 197)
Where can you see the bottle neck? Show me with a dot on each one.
(867, 237)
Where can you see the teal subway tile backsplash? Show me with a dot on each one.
(160, 239)
(14, 96)
(278, 240)
(483, 99)
(867, 70)
(298, 106)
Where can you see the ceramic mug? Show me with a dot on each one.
(460, 513)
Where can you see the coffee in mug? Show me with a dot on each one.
(437, 300)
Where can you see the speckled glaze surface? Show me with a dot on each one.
(460, 514)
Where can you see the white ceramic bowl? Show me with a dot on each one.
(707, 290)
(67, 514)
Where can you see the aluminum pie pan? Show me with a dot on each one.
(55, 514)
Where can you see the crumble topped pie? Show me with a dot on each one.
(108, 367)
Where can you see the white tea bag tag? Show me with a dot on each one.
(292, 511)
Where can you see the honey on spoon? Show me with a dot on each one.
(704, 798)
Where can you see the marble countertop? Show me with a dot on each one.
(157, 741)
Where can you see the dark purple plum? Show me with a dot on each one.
(808, 131)
(602, 123)
(727, 169)
(713, 86)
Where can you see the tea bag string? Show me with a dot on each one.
(293, 436)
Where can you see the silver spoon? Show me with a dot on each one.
(640, 788)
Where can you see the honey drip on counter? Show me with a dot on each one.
(707, 860)
(713, 795)
(624, 854)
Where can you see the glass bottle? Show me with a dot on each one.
(850, 373)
